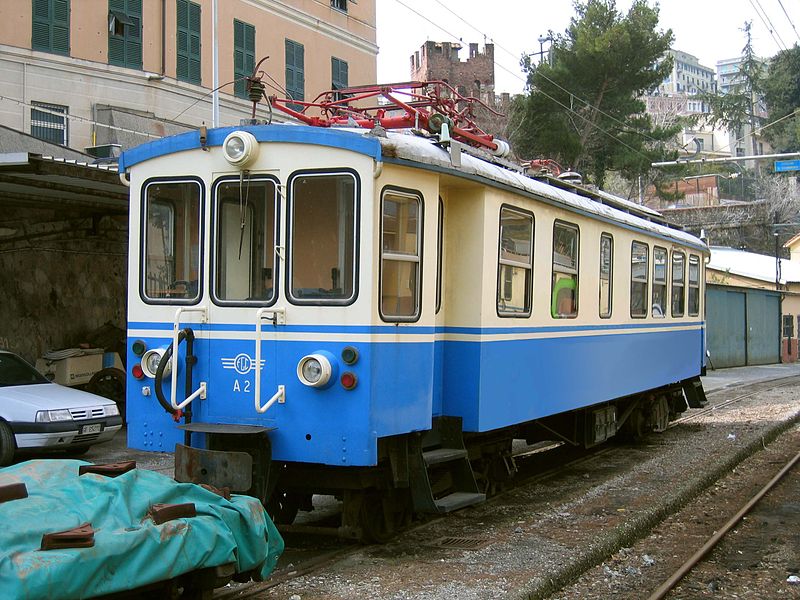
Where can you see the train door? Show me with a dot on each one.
(243, 315)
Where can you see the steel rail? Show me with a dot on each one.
(673, 580)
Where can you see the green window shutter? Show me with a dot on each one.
(244, 55)
(295, 74)
(338, 73)
(50, 30)
(125, 37)
(188, 41)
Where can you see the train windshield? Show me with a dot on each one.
(172, 241)
(322, 238)
(245, 230)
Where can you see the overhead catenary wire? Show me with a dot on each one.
(788, 18)
(767, 23)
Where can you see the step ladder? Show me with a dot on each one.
(441, 475)
(695, 395)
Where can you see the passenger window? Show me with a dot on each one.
(172, 241)
(659, 306)
(678, 283)
(439, 257)
(564, 297)
(244, 214)
(640, 254)
(694, 285)
(322, 266)
(401, 227)
(606, 274)
(515, 267)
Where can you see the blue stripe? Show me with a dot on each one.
(413, 330)
(296, 134)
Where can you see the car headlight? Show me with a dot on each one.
(314, 370)
(111, 410)
(151, 360)
(51, 416)
(240, 148)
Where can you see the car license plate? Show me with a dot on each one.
(92, 428)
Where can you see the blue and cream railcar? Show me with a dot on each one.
(377, 316)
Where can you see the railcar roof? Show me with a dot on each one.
(406, 148)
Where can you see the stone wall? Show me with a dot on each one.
(62, 275)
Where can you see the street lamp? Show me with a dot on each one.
(542, 39)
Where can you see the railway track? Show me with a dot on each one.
(564, 457)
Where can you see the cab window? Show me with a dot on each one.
(244, 214)
(401, 240)
(322, 238)
(171, 249)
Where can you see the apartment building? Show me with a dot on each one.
(106, 73)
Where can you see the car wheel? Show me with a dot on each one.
(7, 444)
(109, 383)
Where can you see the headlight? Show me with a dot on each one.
(240, 148)
(151, 360)
(314, 370)
(51, 416)
(111, 410)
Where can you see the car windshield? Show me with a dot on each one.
(15, 371)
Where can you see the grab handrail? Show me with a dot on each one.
(201, 391)
(278, 317)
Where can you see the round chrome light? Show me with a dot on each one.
(150, 361)
(240, 148)
(314, 370)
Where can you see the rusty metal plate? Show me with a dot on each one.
(79, 537)
(222, 469)
(108, 469)
(161, 513)
(13, 491)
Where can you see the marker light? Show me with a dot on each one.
(348, 380)
(314, 370)
(150, 362)
(240, 148)
(137, 371)
(138, 347)
(350, 355)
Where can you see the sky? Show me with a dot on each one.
(711, 30)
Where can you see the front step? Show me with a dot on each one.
(695, 395)
(441, 475)
(458, 500)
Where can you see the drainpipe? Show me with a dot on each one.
(163, 37)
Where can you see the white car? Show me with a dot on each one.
(38, 414)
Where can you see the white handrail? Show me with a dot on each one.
(278, 316)
(201, 391)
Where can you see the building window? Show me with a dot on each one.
(49, 123)
(244, 55)
(125, 33)
(51, 26)
(694, 285)
(188, 40)
(678, 283)
(564, 297)
(338, 73)
(515, 266)
(339, 5)
(788, 326)
(606, 274)
(640, 255)
(295, 74)
(401, 244)
(322, 238)
(659, 307)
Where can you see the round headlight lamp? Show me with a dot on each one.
(240, 148)
(314, 370)
(151, 360)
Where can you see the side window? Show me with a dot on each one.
(564, 297)
(245, 241)
(659, 306)
(125, 33)
(401, 239)
(788, 326)
(515, 266)
(678, 283)
(439, 255)
(606, 274)
(694, 285)
(640, 254)
(322, 257)
(171, 255)
(50, 31)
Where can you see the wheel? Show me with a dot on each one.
(109, 383)
(383, 514)
(282, 507)
(7, 444)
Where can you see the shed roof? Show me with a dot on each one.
(754, 266)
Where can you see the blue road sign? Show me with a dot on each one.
(782, 166)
